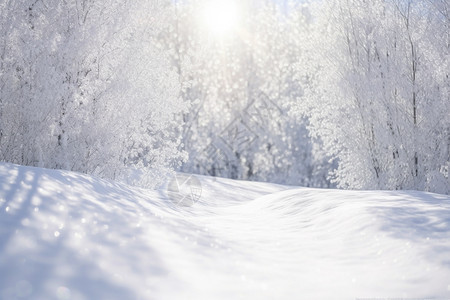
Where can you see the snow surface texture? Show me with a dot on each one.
(65, 235)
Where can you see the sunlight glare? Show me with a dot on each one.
(221, 16)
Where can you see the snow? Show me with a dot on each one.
(65, 235)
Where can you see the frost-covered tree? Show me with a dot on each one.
(378, 91)
(241, 88)
(85, 88)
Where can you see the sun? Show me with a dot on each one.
(221, 16)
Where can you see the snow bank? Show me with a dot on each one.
(65, 235)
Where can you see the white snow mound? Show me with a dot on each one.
(65, 235)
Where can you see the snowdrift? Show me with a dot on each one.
(65, 235)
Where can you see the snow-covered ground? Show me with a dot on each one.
(65, 235)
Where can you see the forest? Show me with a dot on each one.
(353, 94)
(224, 149)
